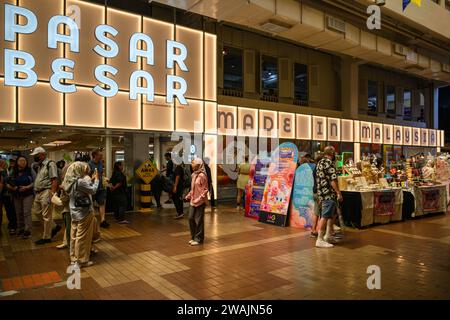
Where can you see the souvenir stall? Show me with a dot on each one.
(408, 188)
(368, 197)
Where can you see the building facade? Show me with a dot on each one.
(221, 73)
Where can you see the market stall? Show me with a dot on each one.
(409, 188)
(364, 208)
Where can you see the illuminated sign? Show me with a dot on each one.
(20, 65)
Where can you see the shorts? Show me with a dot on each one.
(100, 197)
(328, 209)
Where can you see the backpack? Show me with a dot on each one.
(186, 177)
(167, 184)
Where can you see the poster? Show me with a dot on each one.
(384, 203)
(278, 187)
(303, 204)
(431, 200)
(255, 188)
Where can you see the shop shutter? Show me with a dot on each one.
(249, 71)
(314, 91)
(286, 78)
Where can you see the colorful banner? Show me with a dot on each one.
(278, 188)
(384, 203)
(431, 200)
(303, 204)
(255, 188)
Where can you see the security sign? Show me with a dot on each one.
(147, 171)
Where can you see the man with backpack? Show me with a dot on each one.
(45, 186)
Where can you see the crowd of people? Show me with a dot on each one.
(75, 188)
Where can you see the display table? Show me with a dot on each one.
(364, 208)
(429, 199)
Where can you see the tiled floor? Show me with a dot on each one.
(241, 259)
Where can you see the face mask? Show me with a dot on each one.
(37, 158)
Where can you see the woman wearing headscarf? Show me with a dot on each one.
(80, 188)
(198, 197)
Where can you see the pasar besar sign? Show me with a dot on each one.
(19, 65)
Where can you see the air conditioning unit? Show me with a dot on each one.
(446, 67)
(275, 26)
(401, 50)
(335, 24)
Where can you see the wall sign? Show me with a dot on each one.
(377, 133)
(424, 137)
(416, 136)
(407, 136)
(398, 135)
(366, 132)
(388, 134)
(319, 127)
(107, 47)
(334, 129)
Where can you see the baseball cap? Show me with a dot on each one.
(37, 151)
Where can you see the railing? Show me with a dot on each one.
(298, 102)
(265, 97)
(232, 93)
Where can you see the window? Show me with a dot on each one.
(232, 69)
(269, 76)
(372, 96)
(301, 82)
(407, 105)
(390, 100)
(421, 107)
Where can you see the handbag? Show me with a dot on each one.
(81, 199)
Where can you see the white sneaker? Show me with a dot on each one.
(190, 241)
(61, 246)
(336, 228)
(194, 243)
(330, 239)
(323, 244)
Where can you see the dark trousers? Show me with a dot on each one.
(178, 202)
(211, 192)
(157, 190)
(119, 204)
(8, 203)
(197, 222)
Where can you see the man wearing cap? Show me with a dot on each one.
(45, 186)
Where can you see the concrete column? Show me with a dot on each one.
(136, 152)
(108, 155)
(349, 87)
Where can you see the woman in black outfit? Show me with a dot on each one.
(118, 193)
